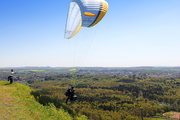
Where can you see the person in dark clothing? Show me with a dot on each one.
(10, 78)
(70, 93)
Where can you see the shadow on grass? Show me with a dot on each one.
(7, 84)
(45, 100)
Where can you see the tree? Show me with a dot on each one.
(134, 77)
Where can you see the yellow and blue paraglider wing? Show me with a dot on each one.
(84, 13)
(102, 12)
(74, 21)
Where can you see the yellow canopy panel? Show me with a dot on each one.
(89, 14)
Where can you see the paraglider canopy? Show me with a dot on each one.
(84, 13)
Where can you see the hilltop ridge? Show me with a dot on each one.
(16, 102)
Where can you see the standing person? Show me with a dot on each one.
(70, 93)
(11, 76)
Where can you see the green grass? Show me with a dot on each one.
(16, 102)
(169, 114)
(159, 119)
(166, 116)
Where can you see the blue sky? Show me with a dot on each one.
(132, 33)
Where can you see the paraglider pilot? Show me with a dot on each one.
(11, 76)
(70, 93)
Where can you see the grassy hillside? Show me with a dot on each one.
(16, 102)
